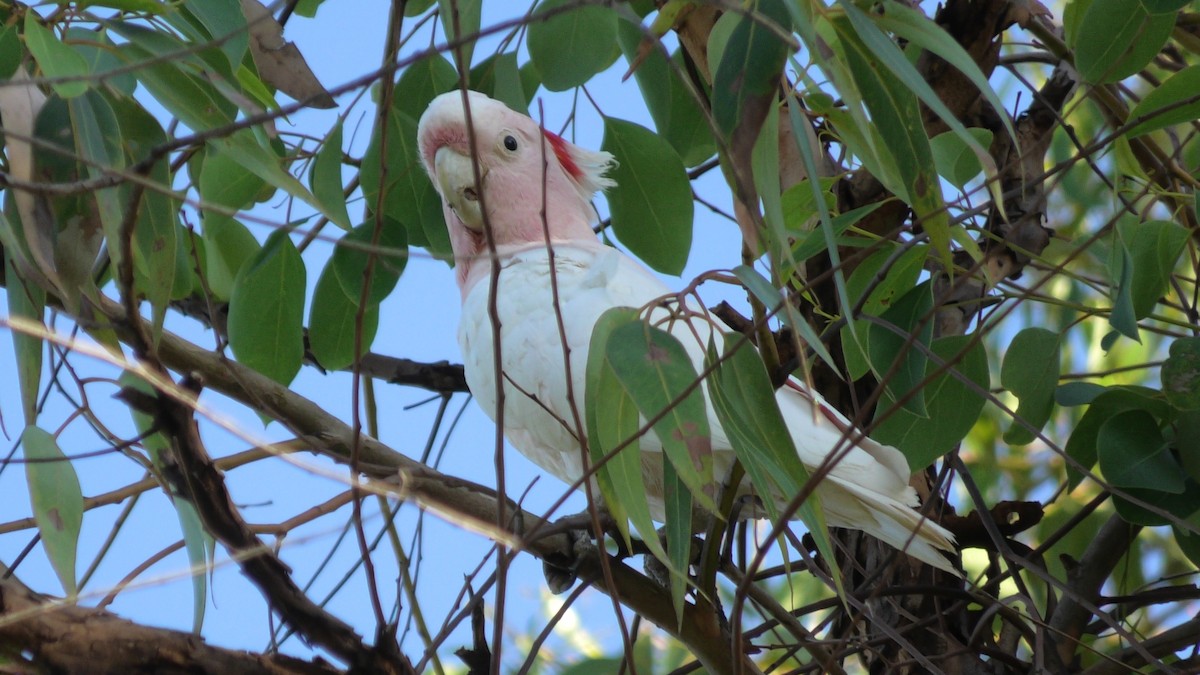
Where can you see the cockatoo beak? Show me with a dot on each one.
(456, 181)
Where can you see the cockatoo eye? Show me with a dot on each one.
(510, 143)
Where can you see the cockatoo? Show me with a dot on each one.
(532, 182)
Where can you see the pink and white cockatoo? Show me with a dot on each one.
(867, 489)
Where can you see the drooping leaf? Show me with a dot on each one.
(1133, 454)
(266, 310)
(1154, 248)
(1030, 372)
(333, 323)
(224, 182)
(887, 348)
(351, 257)
(612, 420)
(499, 77)
(407, 196)
(228, 246)
(773, 300)
(954, 159)
(888, 286)
(651, 203)
(26, 300)
(421, 82)
(657, 372)
(56, 59)
(677, 504)
(325, 179)
(1123, 316)
(572, 45)
(196, 541)
(1164, 105)
(1116, 39)
(1182, 505)
(747, 74)
(953, 406)
(57, 502)
(897, 119)
(677, 116)
(1081, 446)
(1077, 393)
(460, 22)
(746, 405)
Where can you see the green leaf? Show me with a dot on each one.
(889, 285)
(953, 407)
(1133, 454)
(1181, 374)
(196, 541)
(656, 371)
(1182, 505)
(162, 265)
(11, 50)
(612, 420)
(142, 6)
(773, 300)
(325, 179)
(266, 310)
(1188, 542)
(1123, 316)
(651, 203)
(920, 30)
(169, 76)
(1153, 108)
(224, 182)
(350, 260)
(747, 74)
(1116, 39)
(499, 77)
(421, 82)
(955, 160)
(223, 24)
(677, 116)
(228, 246)
(407, 197)
(1154, 248)
(57, 502)
(333, 323)
(1081, 446)
(911, 315)
(244, 148)
(573, 45)
(813, 242)
(896, 117)
(465, 14)
(55, 58)
(100, 54)
(677, 506)
(1030, 372)
(27, 301)
(1077, 393)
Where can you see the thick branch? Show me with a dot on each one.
(70, 639)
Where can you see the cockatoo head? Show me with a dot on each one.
(521, 167)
